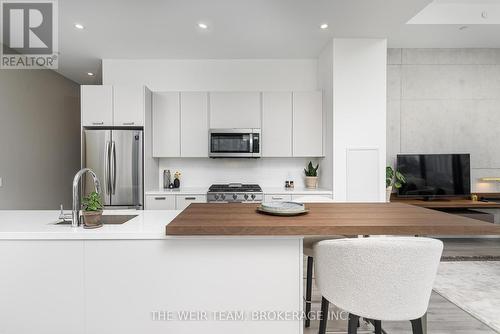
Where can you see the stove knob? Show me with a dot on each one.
(235, 196)
(222, 197)
(253, 196)
(216, 197)
(245, 196)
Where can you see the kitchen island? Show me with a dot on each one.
(132, 278)
(219, 268)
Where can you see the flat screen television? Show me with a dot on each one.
(434, 175)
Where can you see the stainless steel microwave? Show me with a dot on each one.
(234, 143)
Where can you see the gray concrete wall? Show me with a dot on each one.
(39, 138)
(446, 101)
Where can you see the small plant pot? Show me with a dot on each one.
(388, 192)
(311, 182)
(92, 219)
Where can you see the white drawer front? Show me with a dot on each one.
(277, 198)
(160, 202)
(182, 201)
(313, 198)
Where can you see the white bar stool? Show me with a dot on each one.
(381, 279)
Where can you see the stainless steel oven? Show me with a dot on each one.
(234, 143)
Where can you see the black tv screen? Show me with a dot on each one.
(434, 175)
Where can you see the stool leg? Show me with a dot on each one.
(378, 326)
(324, 315)
(352, 326)
(308, 289)
(416, 326)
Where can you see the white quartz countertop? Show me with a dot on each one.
(41, 225)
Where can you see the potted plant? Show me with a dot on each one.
(311, 176)
(92, 210)
(392, 179)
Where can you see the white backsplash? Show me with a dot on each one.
(267, 172)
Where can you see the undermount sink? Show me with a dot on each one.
(107, 220)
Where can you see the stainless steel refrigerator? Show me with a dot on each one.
(116, 156)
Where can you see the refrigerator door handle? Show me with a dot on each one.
(113, 168)
(106, 169)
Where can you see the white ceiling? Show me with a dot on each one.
(240, 29)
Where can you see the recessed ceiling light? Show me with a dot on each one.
(324, 26)
(463, 27)
(79, 26)
(90, 74)
(202, 25)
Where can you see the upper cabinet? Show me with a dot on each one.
(235, 110)
(307, 124)
(277, 124)
(128, 105)
(194, 124)
(112, 105)
(166, 124)
(97, 105)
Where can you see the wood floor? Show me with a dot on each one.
(443, 316)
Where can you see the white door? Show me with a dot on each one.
(234, 110)
(128, 105)
(307, 124)
(277, 124)
(97, 105)
(166, 124)
(194, 124)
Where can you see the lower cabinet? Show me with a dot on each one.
(183, 201)
(164, 202)
(173, 202)
(277, 197)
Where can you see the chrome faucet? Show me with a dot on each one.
(75, 215)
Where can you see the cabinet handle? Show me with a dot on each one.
(189, 198)
(129, 123)
(160, 198)
(97, 123)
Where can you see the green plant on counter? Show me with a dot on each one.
(311, 171)
(394, 178)
(92, 202)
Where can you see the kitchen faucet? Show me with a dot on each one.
(75, 215)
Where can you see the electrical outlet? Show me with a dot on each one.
(1, 182)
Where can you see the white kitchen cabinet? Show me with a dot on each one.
(307, 124)
(235, 110)
(97, 105)
(277, 197)
(194, 124)
(183, 201)
(166, 124)
(315, 196)
(128, 105)
(277, 124)
(160, 202)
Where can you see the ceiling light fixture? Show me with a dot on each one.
(90, 74)
(79, 26)
(463, 27)
(324, 26)
(202, 25)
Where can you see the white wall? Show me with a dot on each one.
(222, 75)
(359, 119)
(213, 74)
(39, 139)
(446, 101)
(268, 172)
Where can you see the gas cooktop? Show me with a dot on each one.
(234, 192)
